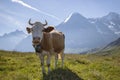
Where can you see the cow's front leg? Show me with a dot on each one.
(56, 59)
(62, 55)
(42, 62)
(48, 62)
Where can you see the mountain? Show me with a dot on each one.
(9, 40)
(108, 26)
(113, 44)
(25, 45)
(85, 34)
(112, 48)
(112, 20)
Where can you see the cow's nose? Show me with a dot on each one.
(36, 38)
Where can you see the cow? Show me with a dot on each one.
(46, 42)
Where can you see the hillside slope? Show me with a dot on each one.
(19, 66)
(115, 43)
(112, 47)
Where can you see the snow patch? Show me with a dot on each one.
(67, 18)
(111, 27)
(117, 33)
(112, 23)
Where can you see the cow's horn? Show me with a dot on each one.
(45, 23)
(30, 22)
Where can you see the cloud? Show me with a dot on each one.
(24, 4)
(10, 21)
(35, 9)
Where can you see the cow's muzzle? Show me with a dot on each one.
(37, 48)
(36, 44)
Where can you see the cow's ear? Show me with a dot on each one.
(29, 30)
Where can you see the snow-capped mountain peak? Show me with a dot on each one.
(67, 18)
(112, 16)
(75, 21)
(74, 17)
(109, 24)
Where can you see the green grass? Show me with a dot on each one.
(101, 66)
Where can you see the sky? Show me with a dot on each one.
(14, 14)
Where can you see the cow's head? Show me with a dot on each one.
(36, 31)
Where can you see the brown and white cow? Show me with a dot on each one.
(47, 41)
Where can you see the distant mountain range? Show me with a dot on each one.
(25, 45)
(9, 40)
(81, 34)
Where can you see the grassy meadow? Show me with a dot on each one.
(102, 66)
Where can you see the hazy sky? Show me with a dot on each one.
(14, 14)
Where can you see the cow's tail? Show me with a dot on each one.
(59, 56)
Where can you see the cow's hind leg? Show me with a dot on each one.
(48, 62)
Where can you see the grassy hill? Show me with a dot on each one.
(101, 66)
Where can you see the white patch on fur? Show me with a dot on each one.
(54, 31)
(37, 30)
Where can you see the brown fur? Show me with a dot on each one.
(55, 43)
(48, 29)
(28, 29)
